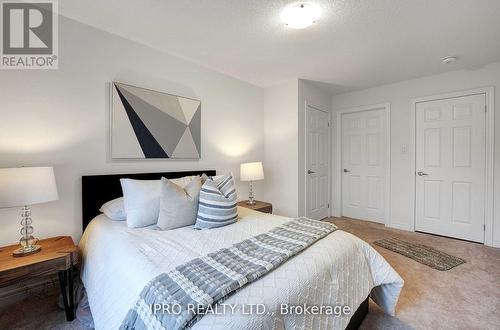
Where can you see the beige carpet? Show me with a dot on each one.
(465, 297)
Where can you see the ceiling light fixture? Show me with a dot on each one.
(300, 15)
(449, 59)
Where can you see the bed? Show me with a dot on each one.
(117, 262)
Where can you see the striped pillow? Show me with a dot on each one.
(217, 206)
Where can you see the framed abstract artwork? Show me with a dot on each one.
(149, 124)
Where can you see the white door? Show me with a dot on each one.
(363, 165)
(450, 167)
(317, 163)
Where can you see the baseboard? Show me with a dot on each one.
(402, 226)
(18, 292)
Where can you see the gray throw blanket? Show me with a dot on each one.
(204, 281)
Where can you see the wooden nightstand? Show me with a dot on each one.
(58, 255)
(258, 206)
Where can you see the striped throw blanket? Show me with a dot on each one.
(204, 281)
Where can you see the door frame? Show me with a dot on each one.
(338, 183)
(490, 150)
(329, 197)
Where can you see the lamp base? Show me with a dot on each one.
(250, 202)
(25, 251)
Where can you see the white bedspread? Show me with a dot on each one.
(340, 269)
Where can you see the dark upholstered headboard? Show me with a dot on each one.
(98, 189)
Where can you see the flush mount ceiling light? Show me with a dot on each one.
(300, 15)
(449, 59)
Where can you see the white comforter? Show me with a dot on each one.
(340, 269)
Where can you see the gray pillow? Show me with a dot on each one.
(178, 205)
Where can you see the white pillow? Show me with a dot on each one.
(142, 200)
(114, 209)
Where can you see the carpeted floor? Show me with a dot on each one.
(465, 297)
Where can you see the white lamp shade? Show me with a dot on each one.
(251, 171)
(27, 186)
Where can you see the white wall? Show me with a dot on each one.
(60, 118)
(399, 96)
(281, 147)
(284, 142)
(313, 96)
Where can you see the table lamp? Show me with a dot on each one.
(22, 187)
(251, 172)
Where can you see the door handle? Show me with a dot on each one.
(420, 173)
(310, 172)
(346, 170)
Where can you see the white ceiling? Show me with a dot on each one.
(356, 44)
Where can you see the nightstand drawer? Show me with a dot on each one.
(267, 209)
(258, 206)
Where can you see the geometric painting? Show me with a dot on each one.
(150, 124)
